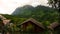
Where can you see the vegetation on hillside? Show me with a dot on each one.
(40, 13)
(45, 15)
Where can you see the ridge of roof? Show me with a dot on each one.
(53, 25)
(2, 17)
(34, 21)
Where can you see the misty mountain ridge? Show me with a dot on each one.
(22, 10)
(29, 9)
(40, 13)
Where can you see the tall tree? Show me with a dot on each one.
(54, 3)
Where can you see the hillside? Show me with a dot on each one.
(41, 13)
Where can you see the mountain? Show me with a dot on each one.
(40, 13)
(26, 10)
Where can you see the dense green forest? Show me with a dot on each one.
(40, 13)
(45, 15)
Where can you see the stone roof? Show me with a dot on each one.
(2, 17)
(5, 21)
(53, 25)
(35, 22)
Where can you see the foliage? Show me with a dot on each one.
(40, 13)
(29, 28)
(43, 14)
(54, 3)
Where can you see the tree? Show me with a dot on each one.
(54, 3)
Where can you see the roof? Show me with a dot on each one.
(53, 25)
(34, 21)
(5, 21)
(2, 17)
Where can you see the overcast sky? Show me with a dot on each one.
(8, 6)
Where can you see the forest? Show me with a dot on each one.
(43, 14)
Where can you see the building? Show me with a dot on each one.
(54, 28)
(32, 25)
(3, 22)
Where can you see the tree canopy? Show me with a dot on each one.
(41, 13)
(54, 3)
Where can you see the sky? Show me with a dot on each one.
(8, 6)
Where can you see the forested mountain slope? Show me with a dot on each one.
(41, 13)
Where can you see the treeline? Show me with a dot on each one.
(40, 13)
(44, 15)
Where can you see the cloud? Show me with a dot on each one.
(8, 6)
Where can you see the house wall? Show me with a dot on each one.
(1, 26)
(57, 30)
(34, 27)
